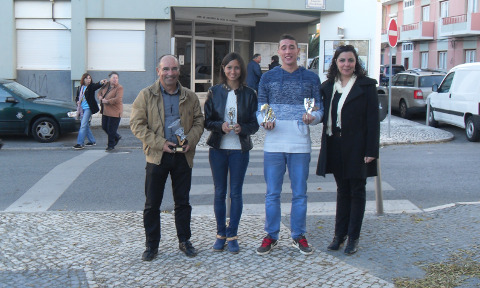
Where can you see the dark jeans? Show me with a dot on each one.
(351, 194)
(110, 126)
(156, 175)
(222, 162)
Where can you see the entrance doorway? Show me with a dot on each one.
(208, 56)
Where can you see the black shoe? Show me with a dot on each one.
(89, 144)
(187, 248)
(149, 254)
(109, 149)
(78, 147)
(336, 243)
(116, 140)
(352, 247)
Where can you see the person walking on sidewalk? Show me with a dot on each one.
(230, 115)
(287, 142)
(153, 111)
(254, 72)
(111, 103)
(86, 106)
(350, 141)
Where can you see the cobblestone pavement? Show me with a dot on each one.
(88, 249)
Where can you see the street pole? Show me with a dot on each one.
(378, 189)
(390, 93)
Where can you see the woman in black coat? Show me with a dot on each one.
(350, 141)
(230, 115)
(86, 107)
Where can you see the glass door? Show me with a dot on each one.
(220, 49)
(203, 65)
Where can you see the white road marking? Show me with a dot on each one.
(47, 190)
(317, 208)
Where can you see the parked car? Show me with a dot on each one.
(23, 111)
(457, 100)
(385, 73)
(410, 90)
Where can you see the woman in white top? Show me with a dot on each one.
(230, 116)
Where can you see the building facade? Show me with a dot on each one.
(48, 44)
(433, 34)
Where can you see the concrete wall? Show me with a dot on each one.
(263, 31)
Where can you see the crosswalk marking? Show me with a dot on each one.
(47, 190)
(317, 208)
(260, 188)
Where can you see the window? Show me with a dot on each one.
(443, 9)
(470, 56)
(445, 87)
(408, 3)
(442, 60)
(407, 46)
(410, 81)
(475, 6)
(424, 60)
(426, 13)
(116, 45)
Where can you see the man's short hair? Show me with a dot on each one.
(289, 37)
(255, 56)
(165, 55)
(113, 73)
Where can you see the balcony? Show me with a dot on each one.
(460, 25)
(417, 31)
(384, 36)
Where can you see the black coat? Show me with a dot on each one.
(360, 129)
(246, 114)
(90, 96)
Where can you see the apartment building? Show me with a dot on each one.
(433, 34)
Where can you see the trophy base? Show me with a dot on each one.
(231, 126)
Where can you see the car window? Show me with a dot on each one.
(3, 95)
(445, 87)
(21, 90)
(428, 81)
(410, 81)
(401, 80)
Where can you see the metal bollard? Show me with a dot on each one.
(378, 190)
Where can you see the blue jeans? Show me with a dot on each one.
(85, 128)
(275, 164)
(221, 162)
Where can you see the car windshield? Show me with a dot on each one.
(21, 90)
(428, 81)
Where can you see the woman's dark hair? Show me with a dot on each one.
(275, 58)
(230, 57)
(333, 70)
(85, 75)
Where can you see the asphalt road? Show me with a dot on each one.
(426, 175)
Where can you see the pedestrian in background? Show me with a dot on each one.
(275, 62)
(254, 72)
(287, 141)
(350, 141)
(86, 106)
(153, 111)
(230, 115)
(111, 97)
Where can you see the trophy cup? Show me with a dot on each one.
(309, 103)
(180, 134)
(267, 113)
(231, 116)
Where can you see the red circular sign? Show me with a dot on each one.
(392, 33)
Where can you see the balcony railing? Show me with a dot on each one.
(410, 27)
(454, 19)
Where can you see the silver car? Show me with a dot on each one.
(410, 90)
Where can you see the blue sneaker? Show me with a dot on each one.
(233, 245)
(219, 244)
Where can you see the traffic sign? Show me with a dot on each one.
(392, 33)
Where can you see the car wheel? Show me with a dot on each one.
(471, 131)
(45, 130)
(431, 119)
(404, 110)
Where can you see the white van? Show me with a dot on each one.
(457, 100)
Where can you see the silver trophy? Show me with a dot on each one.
(267, 113)
(180, 134)
(309, 103)
(231, 116)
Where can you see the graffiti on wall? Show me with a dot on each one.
(38, 83)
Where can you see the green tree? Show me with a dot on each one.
(313, 46)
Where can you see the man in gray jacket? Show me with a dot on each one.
(154, 111)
